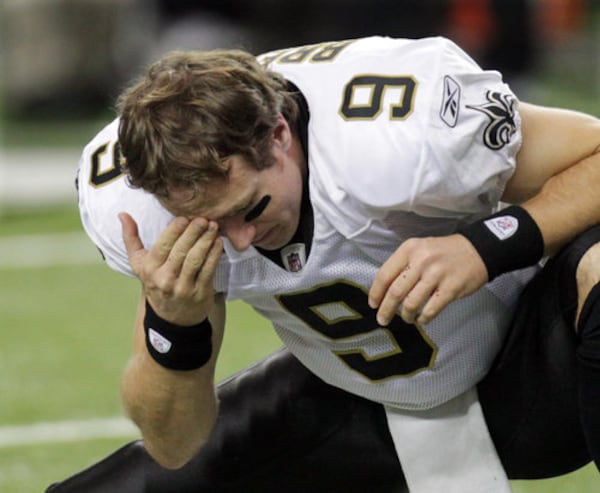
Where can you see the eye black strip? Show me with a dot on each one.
(258, 209)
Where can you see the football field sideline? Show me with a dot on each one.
(46, 250)
(66, 431)
(38, 176)
(43, 178)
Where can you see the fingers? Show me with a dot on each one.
(185, 257)
(416, 298)
(438, 300)
(205, 276)
(183, 250)
(130, 233)
(201, 256)
(164, 246)
(423, 276)
(177, 272)
(396, 266)
(133, 243)
(171, 246)
(396, 293)
(183, 243)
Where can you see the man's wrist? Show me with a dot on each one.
(506, 241)
(174, 346)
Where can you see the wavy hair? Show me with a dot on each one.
(190, 111)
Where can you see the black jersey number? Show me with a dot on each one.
(364, 97)
(340, 311)
(101, 176)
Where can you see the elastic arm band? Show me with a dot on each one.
(177, 347)
(506, 241)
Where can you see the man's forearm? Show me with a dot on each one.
(558, 172)
(175, 410)
(568, 203)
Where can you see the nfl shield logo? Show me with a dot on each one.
(159, 342)
(503, 227)
(294, 257)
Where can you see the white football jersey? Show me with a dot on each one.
(405, 138)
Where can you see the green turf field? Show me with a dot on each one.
(66, 335)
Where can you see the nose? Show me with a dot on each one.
(239, 233)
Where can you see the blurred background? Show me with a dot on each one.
(65, 318)
(62, 62)
(68, 58)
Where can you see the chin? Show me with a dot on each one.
(271, 247)
(275, 244)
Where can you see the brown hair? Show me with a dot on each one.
(192, 110)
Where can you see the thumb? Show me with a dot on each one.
(131, 238)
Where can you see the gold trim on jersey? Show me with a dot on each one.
(339, 311)
(98, 177)
(364, 96)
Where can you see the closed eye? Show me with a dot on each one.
(258, 209)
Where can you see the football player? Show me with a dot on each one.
(281, 427)
(355, 193)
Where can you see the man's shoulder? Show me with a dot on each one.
(321, 54)
(109, 134)
(100, 157)
(104, 192)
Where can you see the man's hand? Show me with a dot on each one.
(177, 273)
(425, 274)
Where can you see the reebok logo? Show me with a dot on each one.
(450, 102)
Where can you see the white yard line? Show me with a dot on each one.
(38, 176)
(67, 431)
(47, 250)
(46, 177)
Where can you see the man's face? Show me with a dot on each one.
(252, 207)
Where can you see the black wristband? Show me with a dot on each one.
(506, 241)
(177, 347)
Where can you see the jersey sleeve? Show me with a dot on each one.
(470, 142)
(406, 125)
(104, 192)
(454, 150)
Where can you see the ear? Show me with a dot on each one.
(282, 134)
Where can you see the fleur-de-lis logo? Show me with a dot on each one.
(500, 109)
